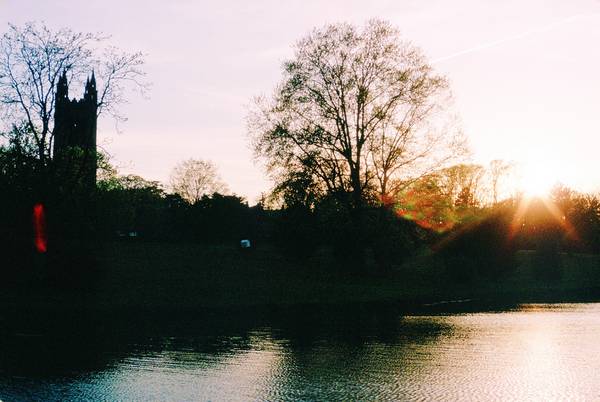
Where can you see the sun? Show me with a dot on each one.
(538, 179)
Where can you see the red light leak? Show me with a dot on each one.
(39, 228)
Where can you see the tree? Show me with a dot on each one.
(426, 203)
(498, 169)
(32, 59)
(194, 178)
(359, 111)
(130, 203)
(462, 184)
(585, 218)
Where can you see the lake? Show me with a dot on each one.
(444, 352)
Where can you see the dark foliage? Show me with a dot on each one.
(130, 208)
(480, 249)
(547, 259)
(19, 174)
(392, 239)
(297, 232)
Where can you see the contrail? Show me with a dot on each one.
(521, 35)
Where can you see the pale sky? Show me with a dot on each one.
(525, 74)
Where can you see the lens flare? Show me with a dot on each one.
(39, 228)
(427, 209)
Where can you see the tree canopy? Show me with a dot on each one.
(359, 111)
(194, 178)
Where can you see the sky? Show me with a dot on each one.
(525, 75)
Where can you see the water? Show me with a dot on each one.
(539, 352)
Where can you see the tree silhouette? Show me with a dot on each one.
(32, 59)
(498, 169)
(194, 178)
(357, 110)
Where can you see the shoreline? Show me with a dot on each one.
(414, 306)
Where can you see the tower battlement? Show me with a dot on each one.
(75, 122)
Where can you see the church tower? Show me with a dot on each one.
(75, 122)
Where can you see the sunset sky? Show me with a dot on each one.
(525, 75)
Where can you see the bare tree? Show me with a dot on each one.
(462, 183)
(32, 59)
(498, 170)
(194, 178)
(359, 110)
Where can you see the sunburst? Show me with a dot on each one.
(538, 178)
(523, 205)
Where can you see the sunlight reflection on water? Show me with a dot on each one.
(540, 352)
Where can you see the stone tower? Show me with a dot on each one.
(75, 129)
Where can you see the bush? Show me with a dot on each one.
(547, 261)
(391, 238)
(297, 233)
(483, 248)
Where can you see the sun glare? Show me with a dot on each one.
(538, 179)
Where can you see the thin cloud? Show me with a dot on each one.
(518, 36)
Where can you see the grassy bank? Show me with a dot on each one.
(163, 276)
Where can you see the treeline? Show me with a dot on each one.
(432, 213)
(131, 207)
(429, 215)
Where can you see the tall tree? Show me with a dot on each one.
(32, 59)
(462, 183)
(498, 170)
(194, 178)
(359, 110)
